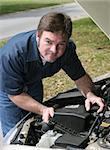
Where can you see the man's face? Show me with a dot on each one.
(51, 45)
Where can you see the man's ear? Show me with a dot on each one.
(37, 38)
(37, 34)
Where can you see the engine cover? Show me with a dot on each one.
(72, 118)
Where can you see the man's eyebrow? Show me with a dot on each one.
(48, 39)
(53, 41)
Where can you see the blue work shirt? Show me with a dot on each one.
(21, 65)
(22, 70)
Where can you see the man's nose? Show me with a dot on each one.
(53, 48)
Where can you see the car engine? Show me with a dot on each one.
(72, 127)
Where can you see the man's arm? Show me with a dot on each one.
(26, 102)
(86, 86)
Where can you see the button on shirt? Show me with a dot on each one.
(21, 64)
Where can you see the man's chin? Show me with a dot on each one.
(51, 60)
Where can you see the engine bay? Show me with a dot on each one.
(72, 126)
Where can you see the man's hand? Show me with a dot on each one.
(93, 99)
(47, 113)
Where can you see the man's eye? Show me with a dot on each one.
(48, 42)
(62, 44)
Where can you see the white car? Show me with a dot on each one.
(71, 127)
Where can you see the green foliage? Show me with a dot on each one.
(2, 42)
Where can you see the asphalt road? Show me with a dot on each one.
(14, 23)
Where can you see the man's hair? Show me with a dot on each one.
(56, 23)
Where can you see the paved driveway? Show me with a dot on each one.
(12, 24)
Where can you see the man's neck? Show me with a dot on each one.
(43, 60)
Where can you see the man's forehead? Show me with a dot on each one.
(54, 36)
(52, 40)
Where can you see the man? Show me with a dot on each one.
(29, 57)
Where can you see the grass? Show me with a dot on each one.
(10, 6)
(93, 49)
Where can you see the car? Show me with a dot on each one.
(72, 127)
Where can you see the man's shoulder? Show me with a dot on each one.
(70, 48)
(20, 41)
(71, 44)
(24, 36)
(18, 44)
